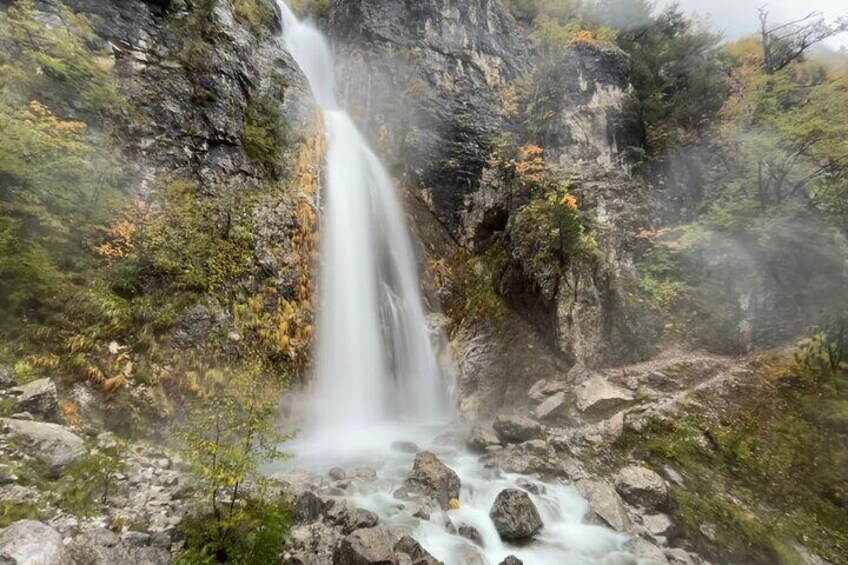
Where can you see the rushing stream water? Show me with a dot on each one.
(377, 375)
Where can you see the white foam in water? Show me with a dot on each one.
(377, 375)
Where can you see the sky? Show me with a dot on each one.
(736, 18)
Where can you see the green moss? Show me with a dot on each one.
(11, 512)
(767, 475)
(265, 131)
(256, 14)
(479, 297)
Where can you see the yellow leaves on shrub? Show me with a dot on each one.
(584, 36)
(531, 166)
(569, 201)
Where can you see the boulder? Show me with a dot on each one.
(512, 560)
(517, 429)
(432, 478)
(658, 524)
(597, 397)
(553, 409)
(368, 546)
(312, 544)
(39, 399)
(54, 445)
(337, 474)
(641, 486)
(470, 533)
(544, 389)
(363, 473)
(417, 554)
(28, 542)
(515, 516)
(481, 439)
(607, 507)
(307, 508)
(339, 513)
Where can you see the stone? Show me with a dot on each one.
(641, 486)
(7, 477)
(512, 560)
(470, 533)
(369, 546)
(28, 542)
(515, 516)
(406, 447)
(554, 409)
(607, 506)
(23, 416)
(417, 554)
(673, 476)
(544, 389)
(597, 397)
(657, 524)
(7, 377)
(307, 507)
(54, 445)
(530, 486)
(432, 478)
(39, 399)
(677, 556)
(337, 474)
(138, 539)
(481, 439)
(517, 429)
(578, 373)
(647, 552)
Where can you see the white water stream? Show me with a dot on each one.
(377, 375)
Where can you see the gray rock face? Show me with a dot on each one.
(441, 65)
(606, 504)
(432, 478)
(370, 546)
(554, 409)
(54, 445)
(31, 543)
(481, 439)
(517, 429)
(642, 487)
(39, 399)
(515, 516)
(544, 389)
(598, 397)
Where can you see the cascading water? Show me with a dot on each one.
(374, 361)
(378, 378)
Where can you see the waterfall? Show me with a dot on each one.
(375, 362)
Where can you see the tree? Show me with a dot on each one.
(786, 43)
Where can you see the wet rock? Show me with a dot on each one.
(515, 516)
(470, 533)
(39, 399)
(607, 506)
(337, 474)
(512, 560)
(307, 508)
(406, 447)
(370, 546)
(481, 439)
(54, 445)
(530, 486)
(418, 555)
(517, 429)
(641, 486)
(598, 397)
(645, 551)
(339, 513)
(28, 542)
(432, 478)
(554, 409)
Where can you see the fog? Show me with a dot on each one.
(736, 18)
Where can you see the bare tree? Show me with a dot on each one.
(787, 42)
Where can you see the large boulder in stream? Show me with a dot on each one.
(515, 516)
(431, 478)
(368, 546)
